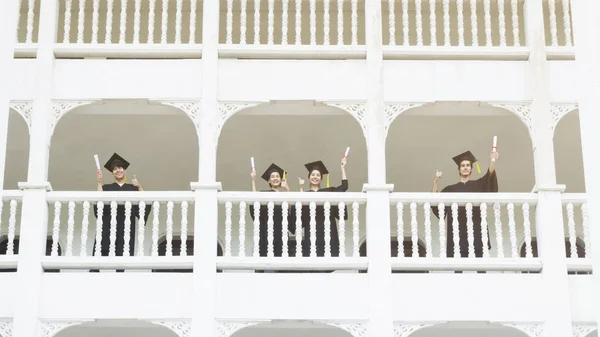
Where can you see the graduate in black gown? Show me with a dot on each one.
(117, 166)
(275, 176)
(316, 171)
(486, 184)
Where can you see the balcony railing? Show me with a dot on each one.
(10, 217)
(577, 233)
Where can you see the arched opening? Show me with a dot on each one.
(176, 250)
(593, 333)
(291, 329)
(568, 155)
(17, 151)
(469, 329)
(117, 328)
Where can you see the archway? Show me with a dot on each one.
(568, 155)
(117, 328)
(469, 329)
(290, 329)
(17, 151)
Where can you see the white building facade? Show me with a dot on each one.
(189, 90)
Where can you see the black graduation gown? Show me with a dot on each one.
(320, 224)
(487, 183)
(277, 228)
(106, 215)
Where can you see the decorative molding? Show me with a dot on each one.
(405, 329)
(521, 110)
(355, 329)
(60, 108)
(531, 329)
(228, 109)
(50, 329)
(582, 330)
(6, 329)
(25, 109)
(357, 110)
(226, 329)
(192, 109)
(392, 111)
(559, 111)
(181, 328)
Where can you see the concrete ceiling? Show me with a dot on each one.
(162, 145)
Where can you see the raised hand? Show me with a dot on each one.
(494, 155)
(135, 182)
(300, 181)
(438, 175)
(344, 161)
(284, 184)
(253, 175)
(99, 176)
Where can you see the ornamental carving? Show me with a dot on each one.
(6, 329)
(191, 109)
(394, 110)
(403, 329)
(523, 111)
(25, 109)
(559, 111)
(226, 110)
(355, 329)
(60, 108)
(181, 328)
(226, 329)
(357, 110)
(583, 330)
(532, 330)
(50, 329)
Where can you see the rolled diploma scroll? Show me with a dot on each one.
(97, 161)
(252, 163)
(347, 151)
(495, 146)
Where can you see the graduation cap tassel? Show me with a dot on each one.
(328, 181)
(478, 168)
(283, 176)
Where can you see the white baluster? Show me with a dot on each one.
(229, 38)
(298, 28)
(19, 5)
(1, 207)
(284, 22)
(327, 229)
(470, 231)
(461, 23)
(55, 229)
(127, 229)
(446, 22)
(414, 229)
(512, 230)
(498, 225)
(193, 6)
(242, 230)
(432, 23)
(313, 229)
(405, 23)
(113, 229)
(109, 21)
(270, 229)
(12, 224)
(299, 232)
(184, 224)
(340, 24)
(271, 23)
(419, 19)
(95, 19)
(256, 21)
(400, 228)
(455, 229)
(484, 230)
(243, 22)
(527, 227)
(155, 223)
(488, 23)
(30, 18)
(586, 229)
(313, 22)
(553, 30)
(228, 207)
(572, 232)
(514, 4)
(81, 21)
(100, 207)
(178, 21)
(67, 26)
(502, 23)
(70, 228)
(428, 248)
(169, 248)
(474, 37)
(123, 21)
(354, 22)
(442, 225)
(151, 15)
(567, 22)
(164, 27)
(392, 20)
(141, 228)
(342, 228)
(85, 223)
(256, 251)
(326, 27)
(355, 230)
(284, 229)
(137, 21)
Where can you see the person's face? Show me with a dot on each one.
(275, 179)
(315, 177)
(118, 172)
(464, 170)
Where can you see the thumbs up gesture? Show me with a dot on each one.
(136, 183)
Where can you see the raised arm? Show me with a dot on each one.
(99, 177)
(253, 176)
(436, 178)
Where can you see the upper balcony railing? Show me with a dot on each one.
(296, 28)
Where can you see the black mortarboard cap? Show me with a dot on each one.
(273, 168)
(317, 165)
(467, 156)
(115, 157)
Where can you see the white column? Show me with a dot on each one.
(586, 30)
(8, 31)
(550, 235)
(35, 209)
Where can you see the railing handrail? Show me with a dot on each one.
(12, 194)
(463, 198)
(292, 197)
(146, 196)
(574, 198)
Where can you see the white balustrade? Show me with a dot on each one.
(558, 23)
(577, 231)
(10, 218)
